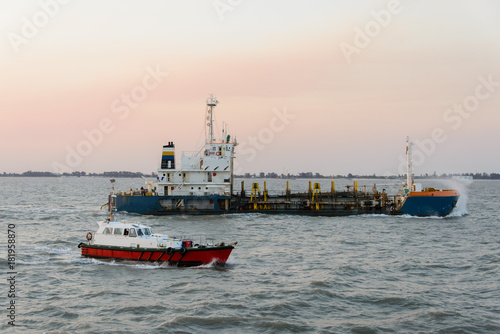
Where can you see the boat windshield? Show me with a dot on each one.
(147, 231)
(139, 232)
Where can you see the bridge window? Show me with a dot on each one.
(118, 231)
(132, 233)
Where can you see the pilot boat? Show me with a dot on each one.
(128, 241)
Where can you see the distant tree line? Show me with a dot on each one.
(478, 176)
(30, 174)
(79, 173)
(271, 175)
(310, 175)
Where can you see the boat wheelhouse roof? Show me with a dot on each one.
(125, 225)
(105, 227)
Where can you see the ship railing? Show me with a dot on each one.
(362, 190)
(193, 153)
(200, 239)
(190, 153)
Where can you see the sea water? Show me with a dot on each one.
(288, 274)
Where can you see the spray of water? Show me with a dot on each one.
(462, 185)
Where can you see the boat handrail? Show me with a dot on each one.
(190, 153)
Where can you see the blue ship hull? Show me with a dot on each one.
(215, 204)
(428, 205)
(172, 205)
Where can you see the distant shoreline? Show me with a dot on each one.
(309, 175)
(78, 174)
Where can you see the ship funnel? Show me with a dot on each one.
(168, 156)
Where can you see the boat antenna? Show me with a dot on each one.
(211, 103)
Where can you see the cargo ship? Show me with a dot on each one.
(204, 185)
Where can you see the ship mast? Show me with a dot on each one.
(409, 171)
(211, 103)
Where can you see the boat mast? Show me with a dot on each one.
(211, 103)
(409, 171)
(111, 198)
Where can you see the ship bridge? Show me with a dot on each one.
(208, 171)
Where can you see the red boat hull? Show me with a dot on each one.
(190, 257)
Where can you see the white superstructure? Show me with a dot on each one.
(208, 171)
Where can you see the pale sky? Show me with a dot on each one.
(333, 87)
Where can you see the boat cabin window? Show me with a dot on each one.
(147, 231)
(132, 233)
(118, 231)
(125, 231)
(139, 232)
(107, 230)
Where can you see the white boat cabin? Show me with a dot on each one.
(131, 235)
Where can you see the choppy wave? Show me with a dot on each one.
(288, 274)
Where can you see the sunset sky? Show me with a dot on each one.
(333, 87)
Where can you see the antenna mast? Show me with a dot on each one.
(211, 103)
